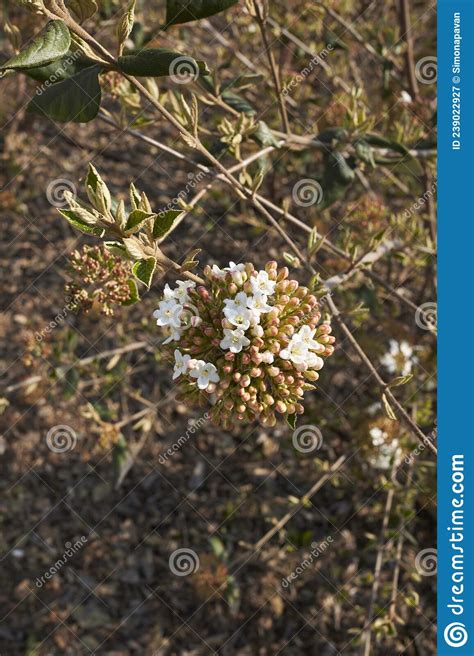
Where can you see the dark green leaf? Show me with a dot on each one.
(144, 270)
(76, 222)
(164, 222)
(135, 218)
(382, 142)
(291, 420)
(242, 81)
(185, 11)
(157, 62)
(59, 69)
(238, 102)
(76, 99)
(51, 44)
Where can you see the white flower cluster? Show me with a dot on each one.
(302, 350)
(171, 310)
(243, 312)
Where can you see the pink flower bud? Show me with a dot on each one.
(280, 407)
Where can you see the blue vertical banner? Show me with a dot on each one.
(456, 327)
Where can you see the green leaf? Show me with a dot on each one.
(388, 408)
(400, 380)
(77, 223)
(51, 44)
(364, 151)
(264, 136)
(134, 295)
(291, 420)
(135, 218)
(382, 142)
(97, 191)
(238, 102)
(158, 62)
(116, 247)
(185, 11)
(242, 81)
(164, 222)
(59, 69)
(144, 270)
(76, 99)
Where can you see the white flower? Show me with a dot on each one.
(399, 358)
(305, 335)
(174, 336)
(168, 293)
(258, 303)
(296, 351)
(268, 357)
(234, 268)
(239, 302)
(385, 450)
(181, 292)
(234, 340)
(239, 318)
(314, 361)
(181, 363)
(205, 373)
(219, 273)
(168, 313)
(236, 271)
(262, 283)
